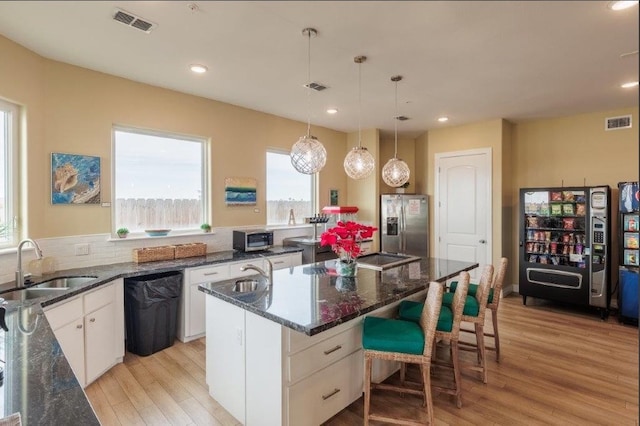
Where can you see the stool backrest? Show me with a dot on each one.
(498, 280)
(482, 295)
(459, 298)
(430, 314)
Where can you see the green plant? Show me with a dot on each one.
(205, 227)
(122, 231)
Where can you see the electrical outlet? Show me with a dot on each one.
(81, 249)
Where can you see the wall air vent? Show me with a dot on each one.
(316, 86)
(133, 21)
(402, 118)
(615, 123)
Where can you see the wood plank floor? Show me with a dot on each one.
(560, 366)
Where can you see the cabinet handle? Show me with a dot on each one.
(278, 262)
(337, 348)
(92, 320)
(330, 394)
(206, 274)
(79, 326)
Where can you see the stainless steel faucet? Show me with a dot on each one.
(19, 272)
(268, 275)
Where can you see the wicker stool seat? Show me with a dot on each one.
(406, 342)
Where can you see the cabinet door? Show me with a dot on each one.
(196, 323)
(280, 262)
(100, 333)
(71, 340)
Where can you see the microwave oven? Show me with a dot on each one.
(252, 240)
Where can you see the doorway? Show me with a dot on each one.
(463, 228)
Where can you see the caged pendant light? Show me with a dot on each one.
(396, 172)
(308, 155)
(359, 162)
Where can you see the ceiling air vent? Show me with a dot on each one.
(615, 123)
(134, 21)
(316, 86)
(402, 118)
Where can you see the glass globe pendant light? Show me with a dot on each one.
(308, 155)
(359, 162)
(396, 172)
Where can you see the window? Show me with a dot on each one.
(287, 189)
(159, 180)
(8, 173)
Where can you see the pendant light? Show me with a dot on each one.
(396, 172)
(308, 155)
(359, 162)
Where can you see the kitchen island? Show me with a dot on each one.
(291, 354)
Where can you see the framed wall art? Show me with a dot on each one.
(333, 197)
(239, 191)
(75, 179)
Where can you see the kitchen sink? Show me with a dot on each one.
(382, 260)
(246, 286)
(63, 283)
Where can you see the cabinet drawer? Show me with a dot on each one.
(208, 274)
(99, 298)
(324, 353)
(321, 396)
(280, 262)
(69, 311)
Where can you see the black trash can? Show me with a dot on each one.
(151, 311)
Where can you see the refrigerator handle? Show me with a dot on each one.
(403, 243)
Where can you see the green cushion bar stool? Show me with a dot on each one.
(406, 342)
(492, 304)
(450, 334)
(473, 312)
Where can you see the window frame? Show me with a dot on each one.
(204, 176)
(12, 181)
(312, 188)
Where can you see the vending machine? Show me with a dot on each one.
(564, 245)
(629, 247)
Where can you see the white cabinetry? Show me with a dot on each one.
(90, 330)
(267, 374)
(191, 317)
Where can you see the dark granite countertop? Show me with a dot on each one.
(311, 298)
(38, 381)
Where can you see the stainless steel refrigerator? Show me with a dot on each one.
(404, 224)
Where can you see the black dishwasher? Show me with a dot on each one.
(151, 311)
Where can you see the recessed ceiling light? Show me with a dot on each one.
(332, 111)
(197, 68)
(621, 5)
(443, 119)
(629, 84)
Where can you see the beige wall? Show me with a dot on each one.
(72, 110)
(574, 151)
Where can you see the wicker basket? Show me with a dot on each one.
(190, 250)
(152, 254)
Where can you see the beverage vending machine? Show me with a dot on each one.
(564, 245)
(629, 248)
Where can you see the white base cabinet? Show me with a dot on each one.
(267, 374)
(90, 330)
(191, 315)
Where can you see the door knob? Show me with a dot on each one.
(482, 241)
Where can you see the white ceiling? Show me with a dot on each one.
(468, 60)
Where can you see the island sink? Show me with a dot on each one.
(245, 286)
(382, 260)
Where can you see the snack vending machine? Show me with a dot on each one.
(564, 245)
(629, 248)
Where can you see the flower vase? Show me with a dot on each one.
(344, 284)
(345, 269)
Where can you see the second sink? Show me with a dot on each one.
(63, 282)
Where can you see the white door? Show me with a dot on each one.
(463, 206)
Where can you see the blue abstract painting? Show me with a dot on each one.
(240, 191)
(75, 179)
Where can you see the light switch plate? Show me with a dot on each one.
(81, 249)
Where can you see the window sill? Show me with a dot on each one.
(172, 234)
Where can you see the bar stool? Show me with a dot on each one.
(447, 329)
(493, 302)
(474, 311)
(406, 342)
